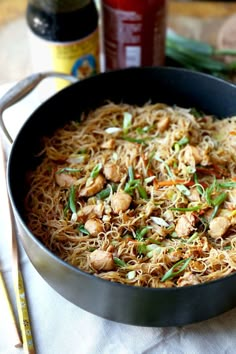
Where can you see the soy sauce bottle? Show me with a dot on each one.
(64, 36)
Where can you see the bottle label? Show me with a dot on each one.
(133, 38)
(80, 58)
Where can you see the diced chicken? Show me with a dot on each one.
(109, 144)
(185, 225)
(91, 211)
(232, 196)
(163, 124)
(174, 256)
(218, 226)
(188, 279)
(112, 172)
(94, 226)
(64, 179)
(191, 155)
(101, 260)
(194, 195)
(95, 187)
(120, 201)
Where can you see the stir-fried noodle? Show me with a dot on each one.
(144, 196)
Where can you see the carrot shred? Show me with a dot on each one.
(232, 132)
(170, 182)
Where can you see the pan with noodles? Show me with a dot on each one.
(123, 186)
(144, 196)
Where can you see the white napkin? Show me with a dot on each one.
(60, 327)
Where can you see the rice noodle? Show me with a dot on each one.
(170, 182)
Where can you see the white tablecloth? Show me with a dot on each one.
(60, 327)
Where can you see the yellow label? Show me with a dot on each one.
(80, 58)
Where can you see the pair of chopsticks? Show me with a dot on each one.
(24, 337)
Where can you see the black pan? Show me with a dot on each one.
(113, 301)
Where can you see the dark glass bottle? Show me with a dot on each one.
(64, 36)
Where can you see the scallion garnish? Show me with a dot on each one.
(171, 272)
(82, 229)
(127, 122)
(104, 193)
(140, 233)
(184, 190)
(72, 203)
(96, 170)
(69, 170)
(193, 208)
(119, 262)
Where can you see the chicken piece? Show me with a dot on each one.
(120, 201)
(101, 260)
(232, 196)
(112, 172)
(94, 226)
(109, 144)
(185, 225)
(95, 187)
(191, 155)
(188, 279)
(174, 256)
(218, 226)
(64, 180)
(163, 124)
(194, 195)
(92, 211)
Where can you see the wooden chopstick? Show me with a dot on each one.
(19, 288)
(14, 328)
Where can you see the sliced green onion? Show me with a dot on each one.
(159, 221)
(193, 208)
(131, 173)
(96, 170)
(142, 248)
(119, 262)
(131, 275)
(113, 130)
(199, 187)
(184, 190)
(182, 142)
(153, 248)
(104, 193)
(149, 179)
(219, 199)
(140, 233)
(82, 229)
(131, 185)
(69, 170)
(72, 204)
(77, 158)
(227, 184)
(127, 122)
(142, 192)
(171, 273)
(216, 203)
(193, 237)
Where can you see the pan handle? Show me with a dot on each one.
(22, 89)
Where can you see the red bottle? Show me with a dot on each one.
(133, 33)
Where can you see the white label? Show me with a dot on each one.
(133, 56)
